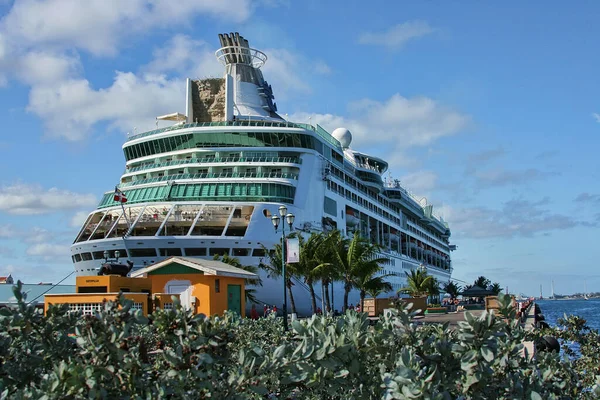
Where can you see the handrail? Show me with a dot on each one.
(238, 122)
(206, 160)
(286, 175)
(322, 133)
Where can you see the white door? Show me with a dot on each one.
(184, 294)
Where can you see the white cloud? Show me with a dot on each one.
(393, 126)
(322, 68)
(283, 71)
(502, 177)
(516, 217)
(50, 252)
(420, 182)
(398, 35)
(39, 44)
(24, 199)
(38, 235)
(186, 56)
(9, 269)
(596, 116)
(78, 219)
(45, 68)
(71, 107)
(98, 26)
(8, 232)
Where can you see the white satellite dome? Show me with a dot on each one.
(343, 136)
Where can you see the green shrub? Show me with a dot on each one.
(120, 354)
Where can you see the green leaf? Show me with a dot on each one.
(535, 396)
(341, 374)
(298, 327)
(279, 352)
(172, 373)
(487, 354)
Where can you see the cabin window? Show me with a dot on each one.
(240, 252)
(217, 286)
(169, 252)
(142, 252)
(215, 251)
(195, 251)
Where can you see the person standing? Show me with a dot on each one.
(253, 312)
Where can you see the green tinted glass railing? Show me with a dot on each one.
(228, 139)
(199, 140)
(206, 160)
(229, 191)
(280, 175)
(268, 124)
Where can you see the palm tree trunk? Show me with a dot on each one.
(313, 295)
(325, 286)
(347, 289)
(332, 301)
(292, 302)
(362, 301)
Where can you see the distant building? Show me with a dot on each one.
(6, 280)
(34, 293)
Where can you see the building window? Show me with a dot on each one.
(217, 286)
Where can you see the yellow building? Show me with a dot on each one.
(206, 286)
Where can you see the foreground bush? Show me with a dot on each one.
(119, 354)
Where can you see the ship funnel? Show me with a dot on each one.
(236, 50)
(247, 93)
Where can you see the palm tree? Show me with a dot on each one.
(418, 283)
(496, 288)
(483, 282)
(249, 293)
(433, 289)
(313, 255)
(367, 282)
(355, 257)
(452, 289)
(273, 268)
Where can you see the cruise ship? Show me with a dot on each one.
(207, 184)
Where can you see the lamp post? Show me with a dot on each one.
(106, 255)
(290, 220)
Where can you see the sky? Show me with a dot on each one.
(488, 110)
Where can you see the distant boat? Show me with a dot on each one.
(585, 297)
(552, 292)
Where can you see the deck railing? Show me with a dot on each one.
(276, 175)
(206, 160)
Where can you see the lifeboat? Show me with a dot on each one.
(351, 217)
(394, 235)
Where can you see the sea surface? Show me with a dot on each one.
(586, 309)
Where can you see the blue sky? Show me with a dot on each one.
(489, 111)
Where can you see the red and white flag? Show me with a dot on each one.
(119, 196)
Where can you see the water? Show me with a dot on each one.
(586, 309)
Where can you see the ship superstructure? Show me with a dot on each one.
(204, 186)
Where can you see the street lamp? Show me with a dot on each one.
(290, 220)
